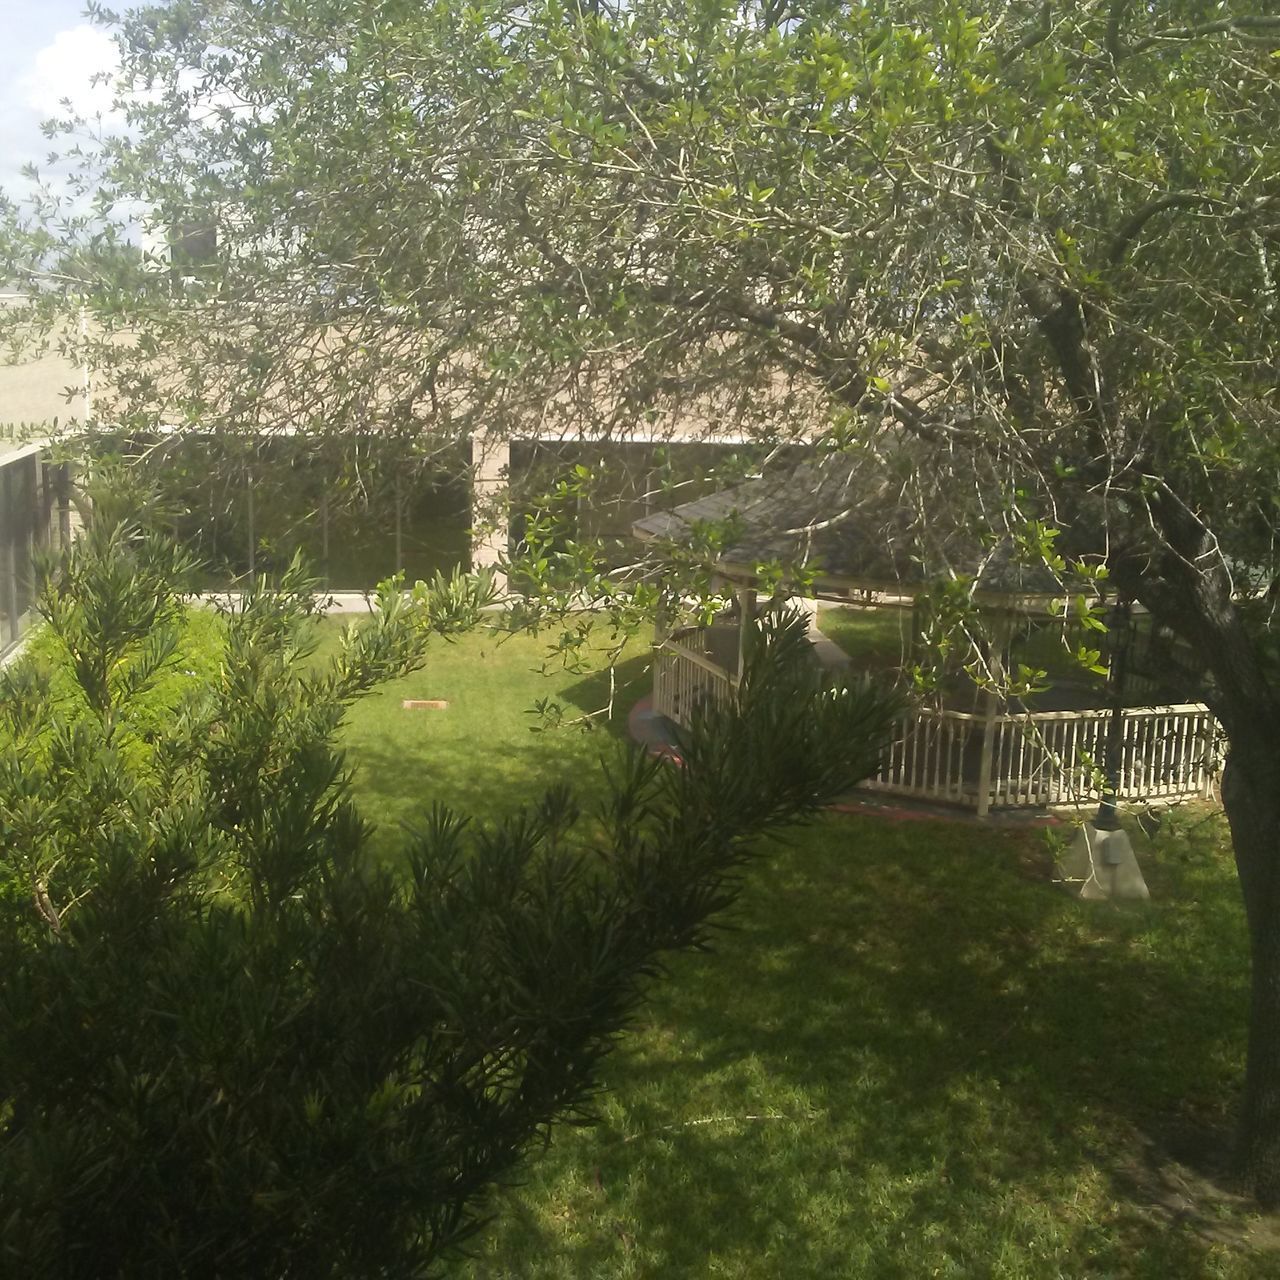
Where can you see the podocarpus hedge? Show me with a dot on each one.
(232, 1045)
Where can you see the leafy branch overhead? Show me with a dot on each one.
(1020, 260)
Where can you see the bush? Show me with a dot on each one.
(230, 1044)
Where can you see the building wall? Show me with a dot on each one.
(651, 464)
(33, 391)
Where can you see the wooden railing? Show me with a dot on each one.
(1050, 757)
(997, 760)
(935, 755)
(684, 676)
(1056, 757)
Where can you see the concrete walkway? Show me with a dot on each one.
(341, 601)
(350, 602)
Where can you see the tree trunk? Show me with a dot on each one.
(1193, 594)
(1251, 798)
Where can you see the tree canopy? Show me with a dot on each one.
(1022, 257)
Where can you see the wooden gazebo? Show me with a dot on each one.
(824, 533)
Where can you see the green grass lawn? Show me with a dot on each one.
(875, 639)
(909, 1055)
(488, 752)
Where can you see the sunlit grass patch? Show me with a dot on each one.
(490, 751)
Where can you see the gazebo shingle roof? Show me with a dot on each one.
(849, 528)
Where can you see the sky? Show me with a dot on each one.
(48, 51)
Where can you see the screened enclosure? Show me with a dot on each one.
(358, 510)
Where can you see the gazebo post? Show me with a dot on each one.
(746, 615)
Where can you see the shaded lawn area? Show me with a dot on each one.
(908, 1056)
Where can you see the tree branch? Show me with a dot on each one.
(1246, 25)
(1115, 20)
(1037, 33)
(838, 371)
(1134, 223)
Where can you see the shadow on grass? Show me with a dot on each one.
(631, 681)
(905, 1059)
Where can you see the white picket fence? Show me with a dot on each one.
(1050, 757)
(935, 755)
(999, 760)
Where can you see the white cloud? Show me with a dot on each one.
(64, 69)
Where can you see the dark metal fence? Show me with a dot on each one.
(35, 514)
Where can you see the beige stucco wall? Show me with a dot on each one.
(34, 390)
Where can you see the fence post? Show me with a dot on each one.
(1001, 637)
(988, 751)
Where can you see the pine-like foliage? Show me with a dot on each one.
(230, 1044)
